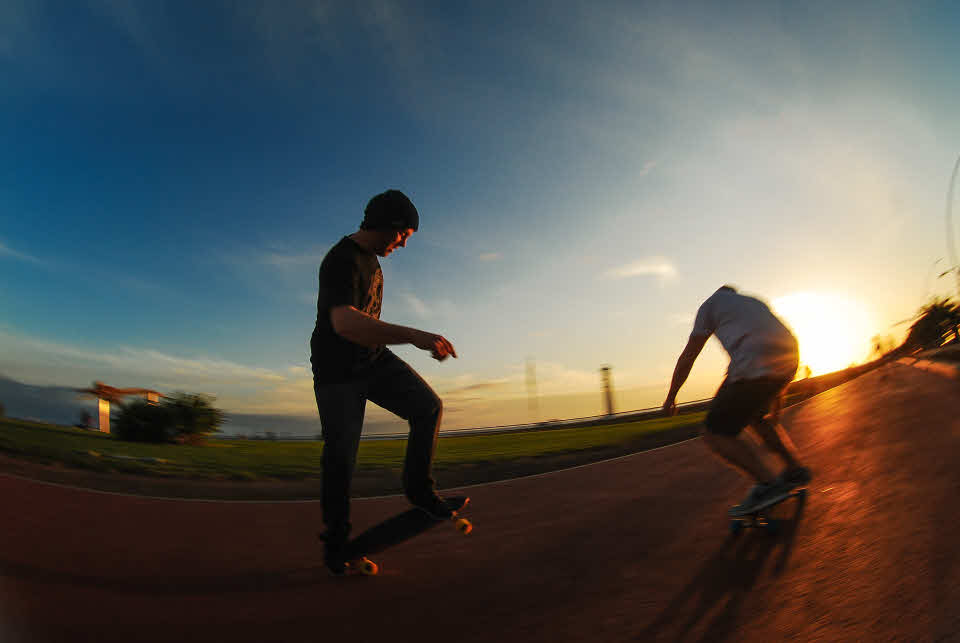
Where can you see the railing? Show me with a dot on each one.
(568, 423)
(798, 391)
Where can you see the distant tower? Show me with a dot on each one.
(533, 403)
(607, 388)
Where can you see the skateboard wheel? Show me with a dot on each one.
(464, 526)
(363, 566)
(369, 568)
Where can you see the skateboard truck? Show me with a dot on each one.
(761, 518)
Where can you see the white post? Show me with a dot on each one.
(104, 415)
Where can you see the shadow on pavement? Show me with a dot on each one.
(719, 590)
(156, 585)
(788, 534)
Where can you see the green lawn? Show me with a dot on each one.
(260, 459)
(265, 459)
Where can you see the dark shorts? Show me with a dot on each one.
(742, 403)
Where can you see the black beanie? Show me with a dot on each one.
(390, 209)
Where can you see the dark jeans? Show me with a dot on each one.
(389, 383)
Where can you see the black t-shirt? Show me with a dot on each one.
(349, 276)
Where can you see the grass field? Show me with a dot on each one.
(260, 459)
(276, 460)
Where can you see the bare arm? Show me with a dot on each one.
(360, 328)
(684, 363)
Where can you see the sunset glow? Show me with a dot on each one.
(833, 330)
(583, 184)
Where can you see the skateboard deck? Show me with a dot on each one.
(761, 518)
(396, 530)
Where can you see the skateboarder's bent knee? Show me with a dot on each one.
(352, 364)
(763, 361)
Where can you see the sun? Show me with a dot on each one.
(833, 330)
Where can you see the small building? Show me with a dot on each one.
(107, 394)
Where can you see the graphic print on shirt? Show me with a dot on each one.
(374, 296)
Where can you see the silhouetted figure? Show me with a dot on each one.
(351, 365)
(86, 420)
(763, 361)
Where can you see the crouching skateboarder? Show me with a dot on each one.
(351, 365)
(763, 361)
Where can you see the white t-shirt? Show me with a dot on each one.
(758, 343)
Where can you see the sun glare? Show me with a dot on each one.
(833, 331)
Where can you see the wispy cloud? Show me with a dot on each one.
(552, 378)
(91, 269)
(238, 387)
(477, 387)
(428, 309)
(139, 362)
(489, 256)
(299, 371)
(275, 269)
(417, 305)
(649, 267)
(7, 251)
(278, 256)
(647, 168)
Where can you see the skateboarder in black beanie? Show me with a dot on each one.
(351, 364)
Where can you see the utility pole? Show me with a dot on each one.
(533, 402)
(607, 387)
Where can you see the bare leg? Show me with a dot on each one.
(738, 453)
(777, 440)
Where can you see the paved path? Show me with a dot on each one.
(635, 549)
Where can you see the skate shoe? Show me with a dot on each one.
(795, 477)
(760, 496)
(333, 554)
(435, 506)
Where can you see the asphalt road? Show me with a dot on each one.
(634, 549)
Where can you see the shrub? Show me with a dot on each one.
(3, 410)
(180, 418)
(143, 421)
(194, 416)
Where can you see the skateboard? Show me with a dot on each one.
(761, 517)
(396, 530)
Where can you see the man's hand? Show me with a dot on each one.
(439, 346)
(670, 406)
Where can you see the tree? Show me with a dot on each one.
(194, 416)
(881, 345)
(143, 421)
(182, 418)
(936, 323)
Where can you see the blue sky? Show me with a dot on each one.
(171, 175)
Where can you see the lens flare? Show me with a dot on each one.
(833, 330)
